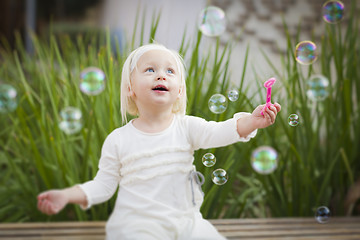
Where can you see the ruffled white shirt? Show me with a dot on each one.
(152, 171)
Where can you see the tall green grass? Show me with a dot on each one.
(321, 156)
(318, 160)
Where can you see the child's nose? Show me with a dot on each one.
(161, 76)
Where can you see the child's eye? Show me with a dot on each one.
(149, 70)
(170, 71)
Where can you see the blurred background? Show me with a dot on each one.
(259, 22)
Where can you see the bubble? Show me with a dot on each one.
(264, 159)
(92, 81)
(209, 159)
(293, 120)
(219, 176)
(218, 103)
(233, 95)
(70, 120)
(322, 214)
(8, 100)
(333, 11)
(305, 52)
(212, 21)
(317, 87)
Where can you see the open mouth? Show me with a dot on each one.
(160, 88)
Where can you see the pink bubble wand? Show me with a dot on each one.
(268, 85)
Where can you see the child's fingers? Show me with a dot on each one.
(266, 114)
(39, 205)
(48, 207)
(277, 106)
(41, 199)
(271, 113)
(43, 195)
(258, 109)
(43, 206)
(273, 109)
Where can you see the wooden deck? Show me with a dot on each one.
(259, 229)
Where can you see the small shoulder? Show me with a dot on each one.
(118, 132)
(189, 120)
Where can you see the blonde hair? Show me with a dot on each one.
(127, 103)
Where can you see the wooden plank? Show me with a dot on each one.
(293, 233)
(298, 238)
(52, 232)
(259, 229)
(91, 224)
(309, 226)
(56, 238)
(297, 226)
(345, 228)
(294, 228)
(281, 220)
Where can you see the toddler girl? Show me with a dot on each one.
(151, 158)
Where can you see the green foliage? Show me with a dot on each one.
(318, 160)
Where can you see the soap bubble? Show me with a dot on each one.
(305, 52)
(218, 103)
(264, 159)
(70, 120)
(8, 100)
(92, 81)
(219, 176)
(293, 120)
(317, 87)
(333, 11)
(233, 95)
(322, 214)
(212, 21)
(209, 159)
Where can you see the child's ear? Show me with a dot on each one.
(130, 92)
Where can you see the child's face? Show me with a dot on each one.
(155, 82)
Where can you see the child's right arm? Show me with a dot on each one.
(53, 201)
(95, 191)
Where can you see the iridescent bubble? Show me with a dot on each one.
(333, 11)
(305, 52)
(209, 159)
(219, 176)
(317, 88)
(70, 120)
(264, 160)
(92, 81)
(212, 21)
(233, 95)
(322, 214)
(8, 100)
(293, 120)
(218, 103)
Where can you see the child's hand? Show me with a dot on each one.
(263, 121)
(52, 202)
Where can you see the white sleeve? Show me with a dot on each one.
(210, 134)
(105, 183)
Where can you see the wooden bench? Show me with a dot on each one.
(342, 228)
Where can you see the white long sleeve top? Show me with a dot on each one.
(152, 169)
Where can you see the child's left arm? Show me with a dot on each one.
(256, 120)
